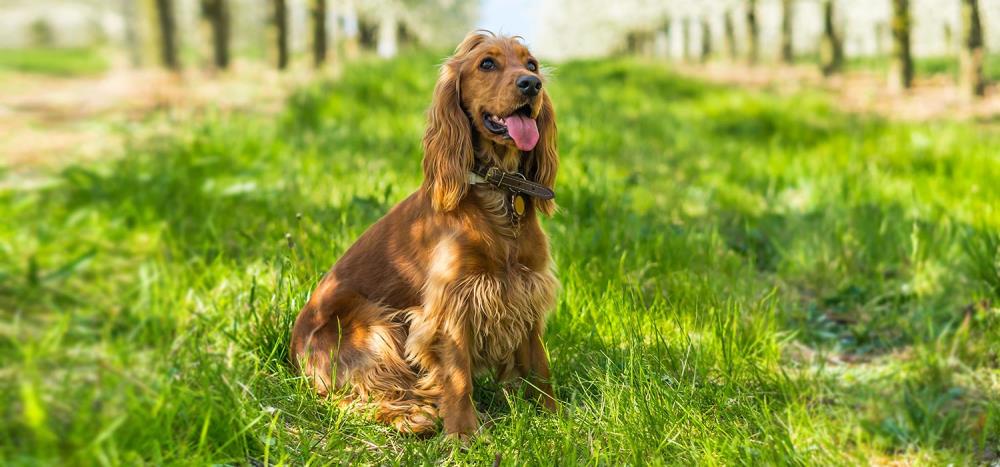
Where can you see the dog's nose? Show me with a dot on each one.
(529, 85)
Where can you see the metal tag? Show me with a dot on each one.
(517, 202)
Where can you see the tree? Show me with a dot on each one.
(706, 39)
(971, 55)
(319, 32)
(168, 34)
(730, 32)
(281, 28)
(388, 39)
(901, 68)
(787, 53)
(132, 41)
(662, 38)
(753, 45)
(880, 33)
(831, 49)
(686, 39)
(217, 14)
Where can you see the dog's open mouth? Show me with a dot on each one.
(518, 126)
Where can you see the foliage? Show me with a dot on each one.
(747, 279)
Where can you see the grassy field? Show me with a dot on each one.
(747, 279)
(926, 66)
(54, 61)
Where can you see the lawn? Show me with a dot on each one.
(54, 61)
(926, 66)
(746, 279)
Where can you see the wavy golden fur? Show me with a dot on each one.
(444, 286)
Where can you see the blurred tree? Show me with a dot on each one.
(40, 33)
(880, 33)
(351, 28)
(216, 12)
(130, 18)
(901, 67)
(385, 24)
(787, 52)
(753, 45)
(388, 37)
(281, 32)
(831, 49)
(319, 32)
(662, 38)
(971, 55)
(686, 39)
(168, 34)
(730, 32)
(949, 38)
(706, 40)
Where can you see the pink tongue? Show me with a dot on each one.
(523, 130)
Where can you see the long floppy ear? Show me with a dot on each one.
(447, 143)
(545, 157)
(448, 140)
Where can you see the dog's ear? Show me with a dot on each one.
(448, 139)
(447, 143)
(545, 157)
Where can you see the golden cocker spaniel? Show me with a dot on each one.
(456, 280)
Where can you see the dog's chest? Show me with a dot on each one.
(496, 209)
(504, 308)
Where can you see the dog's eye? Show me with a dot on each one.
(487, 64)
(532, 66)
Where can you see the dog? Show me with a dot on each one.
(456, 280)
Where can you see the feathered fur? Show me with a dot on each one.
(441, 288)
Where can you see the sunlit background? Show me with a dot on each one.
(556, 28)
(70, 59)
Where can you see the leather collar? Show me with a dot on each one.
(513, 182)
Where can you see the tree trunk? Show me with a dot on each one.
(901, 68)
(880, 39)
(351, 28)
(971, 56)
(388, 41)
(831, 50)
(132, 42)
(753, 45)
(686, 39)
(662, 40)
(319, 32)
(168, 34)
(787, 53)
(217, 14)
(281, 29)
(730, 32)
(706, 40)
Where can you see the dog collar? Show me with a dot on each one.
(513, 182)
(518, 189)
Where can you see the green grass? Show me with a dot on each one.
(927, 66)
(747, 279)
(54, 61)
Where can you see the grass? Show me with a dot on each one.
(747, 279)
(927, 66)
(54, 61)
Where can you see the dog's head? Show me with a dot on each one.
(489, 100)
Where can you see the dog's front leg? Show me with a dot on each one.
(532, 364)
(455, 380)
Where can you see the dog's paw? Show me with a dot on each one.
(420, 422)
(461, 440)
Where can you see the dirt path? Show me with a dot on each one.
(46, 121)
